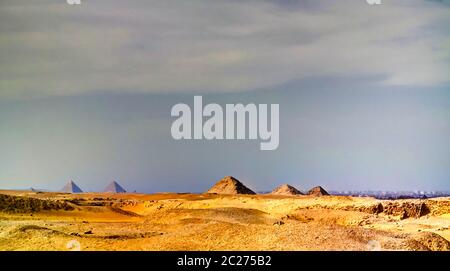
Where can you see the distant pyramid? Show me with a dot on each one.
(286, 189)
(71, 187)
(114, 187)
(318, 191)
(230, 185)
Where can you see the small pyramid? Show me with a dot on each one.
(114, 187)
(286, 189)
(71, 187)
(230, 185)
(318, 191)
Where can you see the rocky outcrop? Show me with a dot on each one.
(428, 241)
(406, 209)
(15, 204)
(402, 209)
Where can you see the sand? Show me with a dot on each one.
(169, 221)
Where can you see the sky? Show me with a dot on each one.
(86, 92)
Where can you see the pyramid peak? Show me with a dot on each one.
(71, 187)
(286, 189)
(318, 191)
(114, 187)
(230, 185)
(229, 178)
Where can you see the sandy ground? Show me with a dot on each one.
(102, 221)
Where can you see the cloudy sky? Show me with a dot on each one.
(86, 92)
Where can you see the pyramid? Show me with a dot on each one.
(72, 187)
(230, 185)
(114, 187)
(287, 190)
(318, 191)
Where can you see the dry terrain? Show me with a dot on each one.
(107, 221)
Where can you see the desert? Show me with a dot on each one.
(237, 219)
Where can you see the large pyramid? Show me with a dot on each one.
(72, 187)
(114, 187)
(286, 189)
(230, 185)
(318, 191)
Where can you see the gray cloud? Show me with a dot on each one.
(50, 48)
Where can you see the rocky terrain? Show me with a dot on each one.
(112, 221)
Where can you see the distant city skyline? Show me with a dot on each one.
(86, 93)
